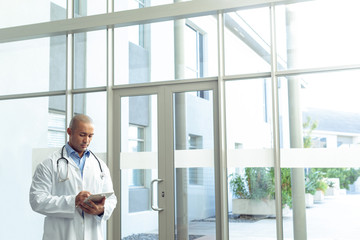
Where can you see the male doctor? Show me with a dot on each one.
(62, 182)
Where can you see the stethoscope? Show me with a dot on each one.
(102, 174)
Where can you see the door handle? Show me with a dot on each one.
(152, 195)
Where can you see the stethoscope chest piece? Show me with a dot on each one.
(67, 168)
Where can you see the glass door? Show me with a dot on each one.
(136, 152)
(164, 148)
(194, 174)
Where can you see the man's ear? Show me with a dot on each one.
(68, 131)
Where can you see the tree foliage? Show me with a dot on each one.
(346, 176)
(308, 127)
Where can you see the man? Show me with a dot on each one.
(62, 182)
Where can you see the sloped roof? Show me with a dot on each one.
(334, 121)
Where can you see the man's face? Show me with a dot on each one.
(81, 136)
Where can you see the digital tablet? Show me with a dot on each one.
(96, 198)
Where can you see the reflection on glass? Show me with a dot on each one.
(194, 165)
(247, 41)
(138, 162)
(301, 43)
(185, 48)
(90, 59)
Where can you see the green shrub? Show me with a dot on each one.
(259, 183)
(256, 183)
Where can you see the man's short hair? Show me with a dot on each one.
(79, 118)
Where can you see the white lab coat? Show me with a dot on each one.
(56, 200)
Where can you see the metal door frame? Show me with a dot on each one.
(165, 123)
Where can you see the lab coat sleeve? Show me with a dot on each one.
(41, 199)
(110, 202)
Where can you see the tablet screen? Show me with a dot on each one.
(96, 198)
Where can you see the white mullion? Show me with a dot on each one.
(113, 231)
(70, 9)
(110, 6)
(69, 68)
(276, 128)
(222, 224)
(69, 78)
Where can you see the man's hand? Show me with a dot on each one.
(80, 198)
(89, 207)
(95, 209)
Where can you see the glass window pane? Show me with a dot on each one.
(250, 159)
(194, 166)
(22, 12)
(138, 163)
(121, 5)
(132, 132)
(191, 52)
(33, 66)
(333, 202)
(252, 130)
(318, 33)
(89, 7)
(56, 123)
(94, 105)
(328, 130)
(247, 41)
(151, 53)
(25, 126)
(90, 59)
